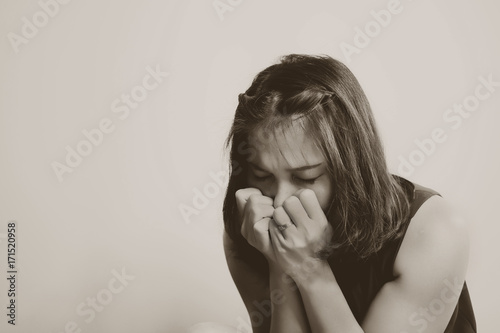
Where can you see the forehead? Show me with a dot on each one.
(280, 147)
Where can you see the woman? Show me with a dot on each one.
(319, 236)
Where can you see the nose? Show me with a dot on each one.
(284, 190)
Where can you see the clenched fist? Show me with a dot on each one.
(307, 232)
(256, 211)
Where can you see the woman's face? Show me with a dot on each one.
(287, 163)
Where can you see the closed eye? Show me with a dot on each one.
(261, 178)
(310, 181)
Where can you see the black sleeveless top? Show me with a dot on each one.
(360, 281)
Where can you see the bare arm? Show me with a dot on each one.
(288, 314)
(431, 265)
(272, 300)
(260, 283)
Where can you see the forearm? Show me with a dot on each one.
(288, 313)
(325, 305)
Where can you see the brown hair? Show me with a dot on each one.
(369, 204)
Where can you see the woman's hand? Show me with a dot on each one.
(256, 211)
(308, 232)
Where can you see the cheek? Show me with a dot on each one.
(323, 192)
(258, 185)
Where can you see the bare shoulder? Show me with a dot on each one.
(436, 241)
(430, 269)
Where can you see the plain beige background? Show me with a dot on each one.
(120, 207)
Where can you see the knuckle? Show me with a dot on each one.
(279, 214)
(306, 194)
(276, 215)
(243, 193)
(251, 213)
(268, 200)
(291, 201)
(268, 211)
(252, 199)
(239, 193)
(252, 190)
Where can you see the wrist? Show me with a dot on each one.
(316, 276)
(274, 267)
(280, 280)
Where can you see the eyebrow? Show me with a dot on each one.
(302, 168)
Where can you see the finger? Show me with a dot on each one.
(257, 207)
(256, 215)
(293, 207)
(253, 203)
(242, 196)
(277, 238)
(259, 199)
(262, 226)
(261, 232)
(282, 218)
(258, 212)
(310, 203)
